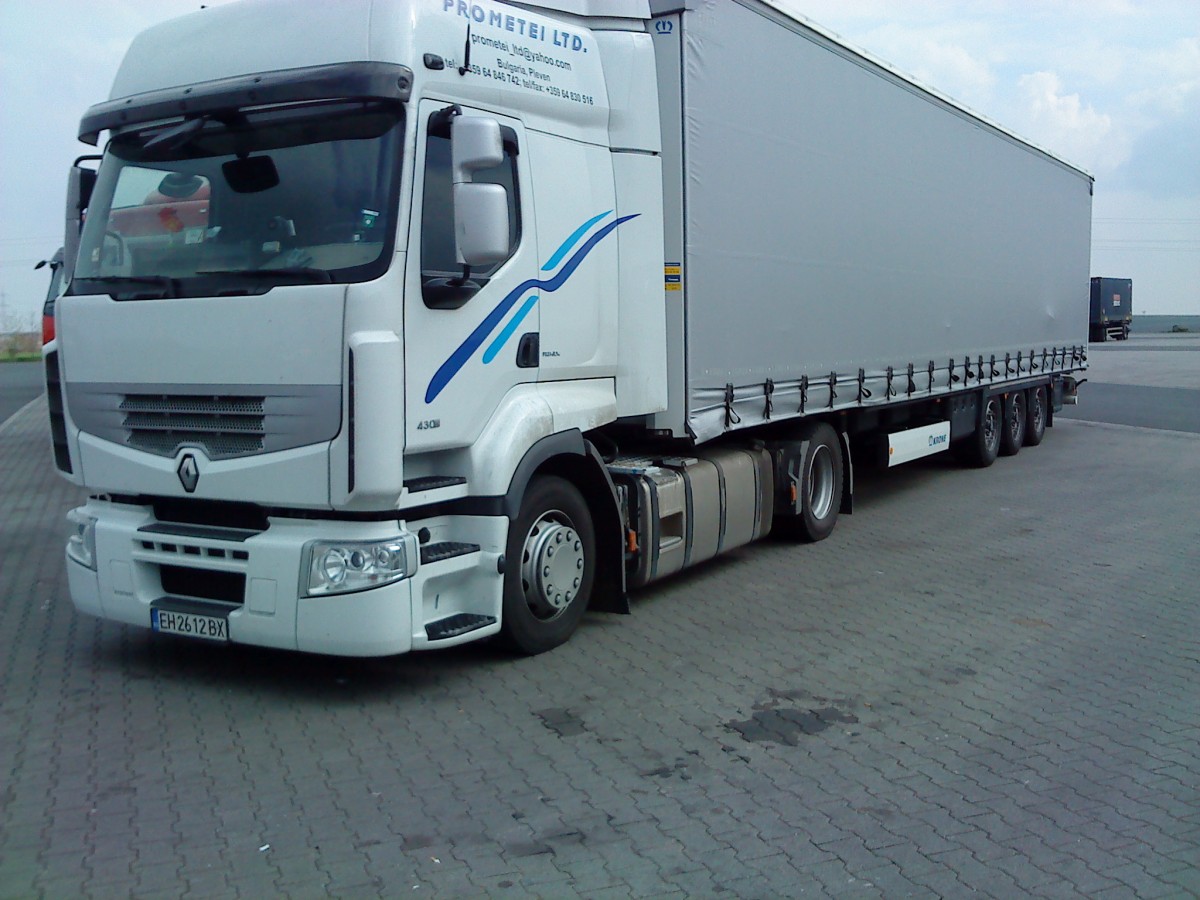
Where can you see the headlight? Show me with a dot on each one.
(338, 567)
(81, 545)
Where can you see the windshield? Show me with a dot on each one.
(236, 203)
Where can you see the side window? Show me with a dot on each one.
(442, 283)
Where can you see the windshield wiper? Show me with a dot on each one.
(170, 286)
(307, 273)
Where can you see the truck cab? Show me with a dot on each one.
(340, 299)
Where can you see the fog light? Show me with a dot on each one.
(81, 545)
(338, 567)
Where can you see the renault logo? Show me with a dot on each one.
(188, 472)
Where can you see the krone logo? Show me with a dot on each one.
(189, 473)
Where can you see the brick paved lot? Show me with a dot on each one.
(986, 681)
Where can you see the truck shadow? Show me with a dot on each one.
(179, 662)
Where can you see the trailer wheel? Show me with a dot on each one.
(550, 566)
(1035, 416)
(1015, 415)
(820, 488)
(982, 447)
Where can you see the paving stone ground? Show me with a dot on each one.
(986, 682)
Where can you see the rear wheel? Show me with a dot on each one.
(1035, 416)
(549, 566)
(1013, 435)
(820, 487)
(981, 448)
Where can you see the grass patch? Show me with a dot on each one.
(20, 347)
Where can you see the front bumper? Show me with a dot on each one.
(139, 563)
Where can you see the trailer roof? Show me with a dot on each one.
(662, 7)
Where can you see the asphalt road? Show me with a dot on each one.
(1174, 409)
(19, 383)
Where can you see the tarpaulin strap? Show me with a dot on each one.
(912, 387)
(1018, 362)
(1033, 366)
(967, 369)
(1008, 369)
(803, 392)
(992, 367)
(981, 368)
(768, 390)
(891, 391)
(1044, 352)
(731, 416)
(832, 388)
(931, 370)
(864, 392)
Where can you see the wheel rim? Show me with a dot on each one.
(820, 482)
(991, 429)
(1016, 423)
(552, 565)
(1038, 410)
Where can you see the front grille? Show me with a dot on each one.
(222, 424)
(58, 419)
(204, 584)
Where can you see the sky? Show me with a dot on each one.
(1113, 86)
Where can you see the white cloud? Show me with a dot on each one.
(942, 58)
(1064, 124)
(1178, 70)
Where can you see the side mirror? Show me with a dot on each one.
(475, 144)
(80, 183)
(480, 210)
(481, 223)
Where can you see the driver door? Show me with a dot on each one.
(467, 341)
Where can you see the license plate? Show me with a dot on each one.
(211, 628)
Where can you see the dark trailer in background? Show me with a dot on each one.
(1112, 309)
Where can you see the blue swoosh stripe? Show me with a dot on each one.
(475, 339)
(572, 241)
(490, 353)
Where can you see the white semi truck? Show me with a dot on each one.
(397, 324)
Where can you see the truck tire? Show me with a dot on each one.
(1012, 437)
(1035, 416)
(820, 488)
(982, 447)
(549, 569)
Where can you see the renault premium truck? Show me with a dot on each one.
(397, 324)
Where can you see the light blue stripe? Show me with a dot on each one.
(572, 241)
(456, 360)
(502, 338)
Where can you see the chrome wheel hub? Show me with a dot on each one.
(552, 565)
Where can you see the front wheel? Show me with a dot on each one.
(549, 567)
